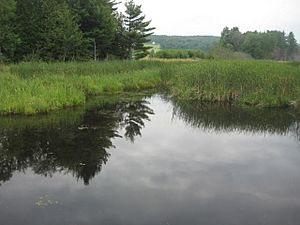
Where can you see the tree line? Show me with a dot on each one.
(178, 54)
(66, 30)
(204, 43)
(260, 45)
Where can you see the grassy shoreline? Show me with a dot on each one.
(30, 88)
(253, 83)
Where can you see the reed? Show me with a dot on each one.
(29, 88)
(257, 83)
(39, 87)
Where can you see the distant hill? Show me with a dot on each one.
(184, 42)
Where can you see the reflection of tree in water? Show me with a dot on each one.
(133, 116)
(78, 147)
(229, 118)
(296, 130)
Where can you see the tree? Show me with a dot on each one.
(136, 31)
(63, 38)
(261, 45)
(8, 37)
(280, 49)
(71, 29)
(118, 48)
(232, 38)
(97, 19)
(292, 46)
(253, 45)
(29, 26)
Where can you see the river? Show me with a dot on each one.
(151, 161)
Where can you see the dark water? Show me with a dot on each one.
(151, 161)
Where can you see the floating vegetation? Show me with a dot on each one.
(46, 201)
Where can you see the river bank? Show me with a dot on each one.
(30, 88)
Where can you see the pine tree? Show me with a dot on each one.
(98, 23)
(63, 38)
(292, 46)
(119, 47)
(136, 31)
(8, 37)
(29, 20)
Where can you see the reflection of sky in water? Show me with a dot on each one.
(173, 174)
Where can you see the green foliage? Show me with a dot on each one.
(98, 23)
(8, 37)
(179, 54)
(136, 31)
(120, 43)
(184, 42)
(260, 45)
(232, 38)
(268, 45)
(40, 87)
(292, 46)
(63, 37)
(253, 45)
(221, 52)
(65, 30)
(34, 69)
(257, 83)
(29, 26)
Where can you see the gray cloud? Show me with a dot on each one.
(198, 17)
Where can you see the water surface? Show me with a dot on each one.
(151, 161)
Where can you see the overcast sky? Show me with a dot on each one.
(209, 17)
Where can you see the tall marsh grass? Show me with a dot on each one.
(179, 54)
(258, 83)
(29, 88)
(29, 69)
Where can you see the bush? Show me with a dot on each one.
(179, 54)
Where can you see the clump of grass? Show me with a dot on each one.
(34, 95)
(44, 90)
(179, 54)
(257, 83)
(29, 69)
(29, 88)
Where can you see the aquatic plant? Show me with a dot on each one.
(29, 88)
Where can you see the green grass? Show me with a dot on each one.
(179, 54)
(257, 83)
(31, 69)
(30, 88)
(153, 47)
(38, 87)
(68, 116)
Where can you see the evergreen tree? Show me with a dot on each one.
(63, 38)
(29, 26)
(98, 23)
(71, 29)
(119, 45)
(260, 45)
(8, 37)
(136, 31)
(292, 46)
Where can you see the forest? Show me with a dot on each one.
(184, 42)
(232, 44)
(261, 45)
(82, 30)
(64, 30)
